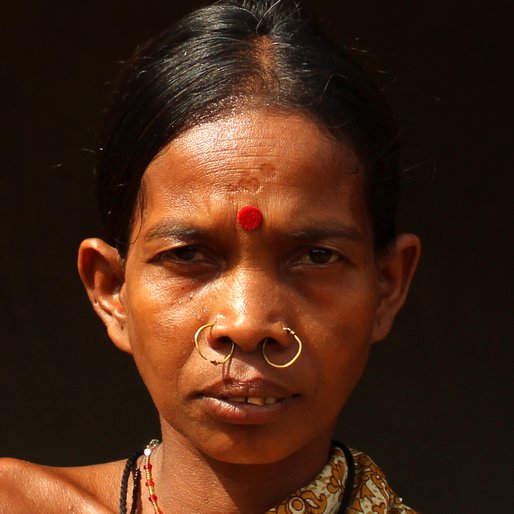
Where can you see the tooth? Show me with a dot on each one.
(254, 400)
(237, 399)
(270, 400)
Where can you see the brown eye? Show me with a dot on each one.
(186, 253)
(318, 256)
(183, 254)
(321, 256)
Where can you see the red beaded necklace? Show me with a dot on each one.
(147, 466)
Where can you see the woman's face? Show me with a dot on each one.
(310, 266)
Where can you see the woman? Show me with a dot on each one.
(248, 183)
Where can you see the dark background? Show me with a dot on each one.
(434, 408)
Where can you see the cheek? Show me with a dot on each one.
(344, 365)
(341, 370)
(342, 352)
(160, 333)
(157, 307)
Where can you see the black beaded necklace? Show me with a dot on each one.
(130, 467)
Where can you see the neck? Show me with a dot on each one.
(189, 481)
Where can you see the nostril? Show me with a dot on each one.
(248, 334)
(272, 343)
(222, 341)
(274, 350)
(221, 344)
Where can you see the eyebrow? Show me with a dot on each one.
(170, 230)
(327, 232)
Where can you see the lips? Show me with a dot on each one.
(256, 391)
(246, 402)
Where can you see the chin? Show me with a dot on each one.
(248, 445)
(253, 446)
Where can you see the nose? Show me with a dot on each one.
(250, 309)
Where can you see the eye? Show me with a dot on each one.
(183, 254)
(318, 256)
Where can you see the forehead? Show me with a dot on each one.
(282, 162)
(250, 149)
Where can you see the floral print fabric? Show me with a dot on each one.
(371, 492)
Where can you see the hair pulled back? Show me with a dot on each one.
(227, 57)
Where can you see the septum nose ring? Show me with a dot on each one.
(296, 356)
(212, 361)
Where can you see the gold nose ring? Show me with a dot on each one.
(212, 361)
(298, 341)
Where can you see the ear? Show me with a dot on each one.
(102, 272)
(396, 269)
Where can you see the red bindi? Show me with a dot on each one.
(249, 218)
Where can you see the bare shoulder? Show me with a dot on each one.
(27, 487)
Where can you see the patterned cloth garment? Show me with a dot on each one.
(371, 492)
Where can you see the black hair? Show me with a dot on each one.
(232, 55)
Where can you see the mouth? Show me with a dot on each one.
(248, 402)
(254, 400)
(253, 392)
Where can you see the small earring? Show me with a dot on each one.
(292, 333)
(212, 361)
